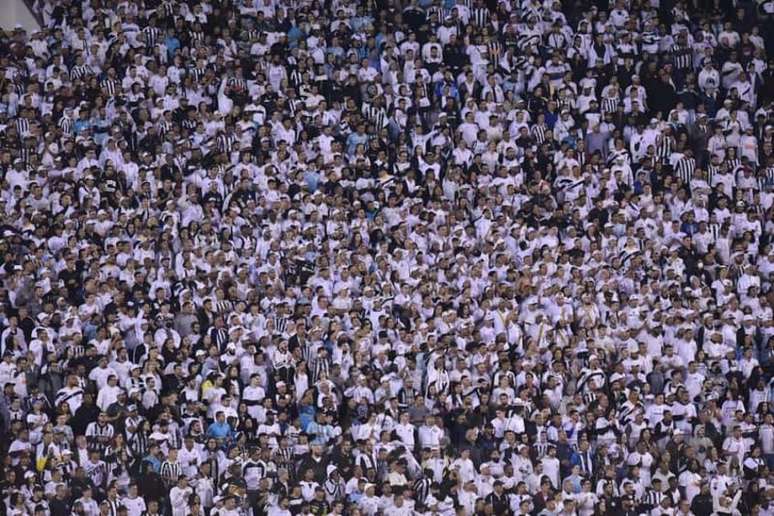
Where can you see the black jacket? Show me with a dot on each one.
(702, 505)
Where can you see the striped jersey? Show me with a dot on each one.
(685, 168)
(682, 56)
(480, 16)
(170, 471)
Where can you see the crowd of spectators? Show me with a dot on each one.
(387, 257)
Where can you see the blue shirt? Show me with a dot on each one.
(322, 433)
(354, 140)
(219, 430)
(306, 416)
(154, 462)
(80, 124)
(295, 34)
(312, 180)
(172, 44)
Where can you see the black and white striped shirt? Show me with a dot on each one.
(26, 153)
(653, 498)
(197, 73)
(224, 306)
(219, 337)
(237, 83)
(539, 133)
(375, 115)
(164, 127)
(111, 87)
(307, 351)
(422, 490)
(714, 229)
(610, 104)
(711, 171)
(664, 149)
(589, 397)
(197, 37)
(320, 366)
(168, 8)
(226, 143)
(250, 34)
(435, 15)
(495, 51)
(152, 36)
(113, 505)
(22, 126)
(280, 324)
(480, 16)
(766, 179)
(284, 458)
(295, 105)
(684, 169)
(365, 461)
(542, 449)
(66, 125)
(138, 444)
(93, 434)
(170, 471)
(78, 72)
(734, 165)
(188, 124)
(214, 468)
(683, 57)
(296, 77)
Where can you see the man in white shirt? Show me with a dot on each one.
(135, 504)
(109, 393)
(100, 374)
(430, 434)
(406, 431)
(735, 445)
(178, 496)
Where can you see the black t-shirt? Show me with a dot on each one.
(72, 280)
(59, 508)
